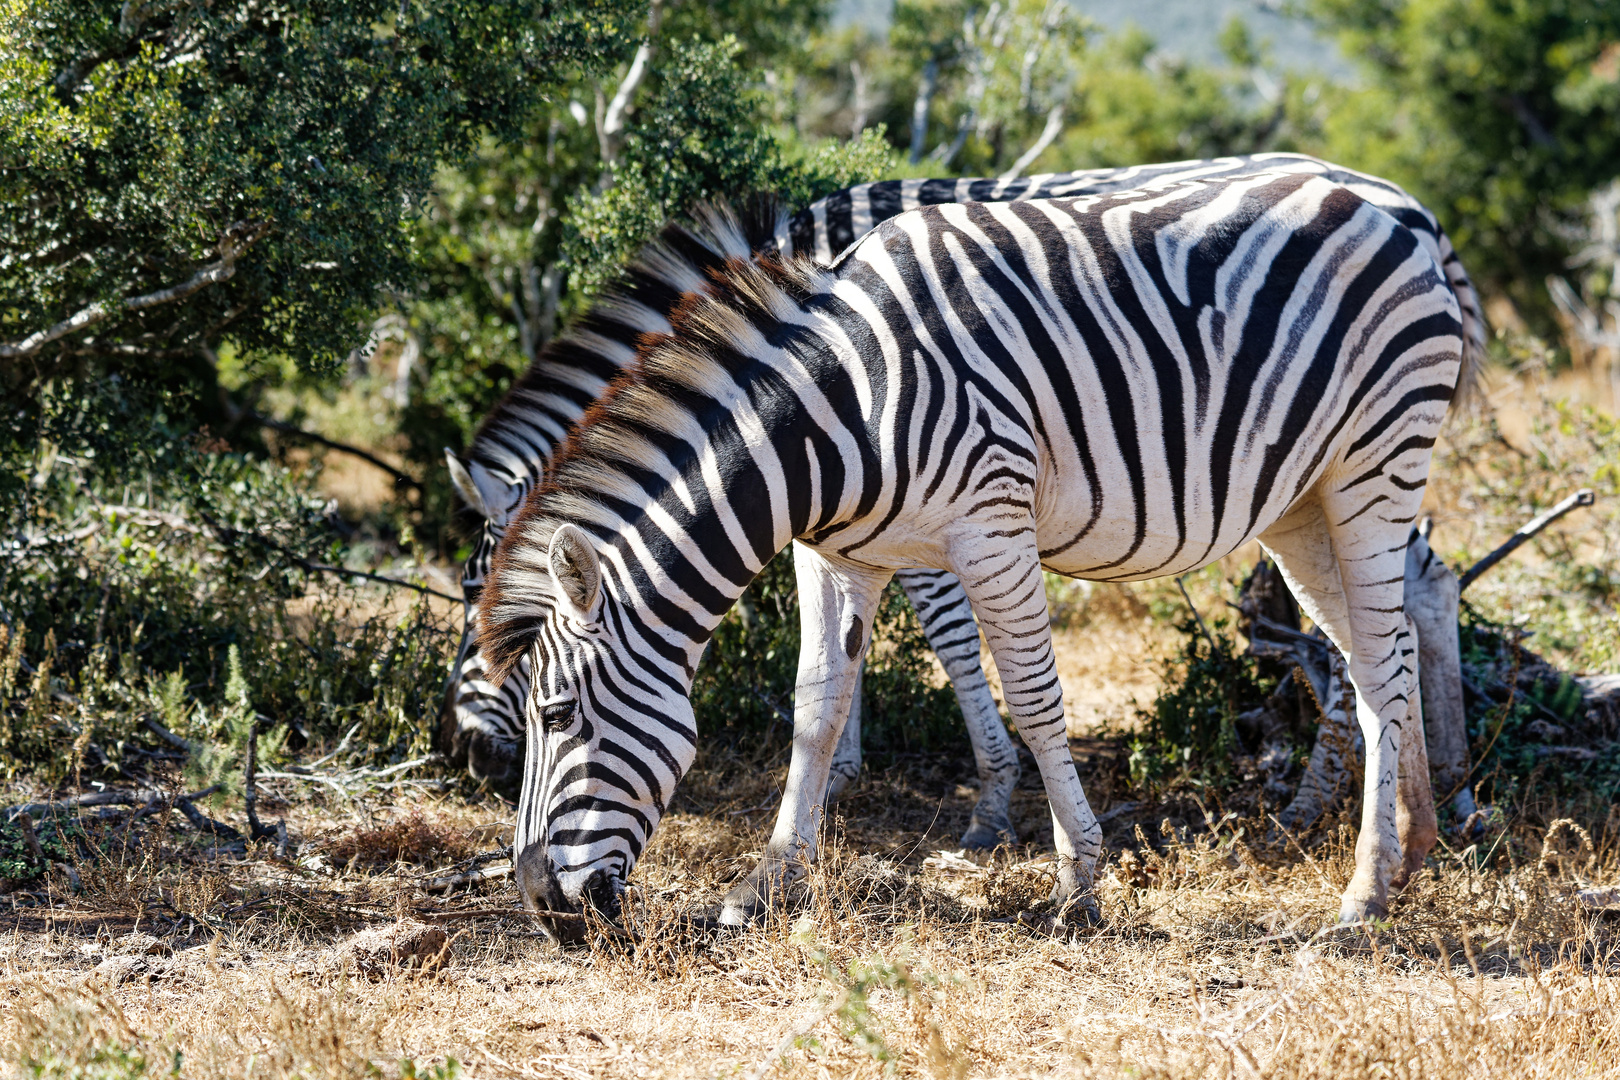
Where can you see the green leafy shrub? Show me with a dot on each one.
(1529, 730)
(162, 591)
(1191, 727)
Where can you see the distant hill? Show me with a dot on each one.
(1184, 27)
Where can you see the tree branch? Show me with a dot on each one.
(1583, 497)
(919, 109)
(618, 110)
(238, 238)
(1053, 128)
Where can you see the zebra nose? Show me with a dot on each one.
(540, 891)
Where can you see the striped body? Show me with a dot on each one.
(1119, 386)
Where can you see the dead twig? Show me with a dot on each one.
(1194, 607)
(203, 823)
(300, 433)
(1583, 497)
(450, 881)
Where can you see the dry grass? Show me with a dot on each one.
(1212, 962)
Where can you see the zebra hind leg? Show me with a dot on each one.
(947, 620)
(1350, 581)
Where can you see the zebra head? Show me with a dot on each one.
(476, 714)
(609, 734)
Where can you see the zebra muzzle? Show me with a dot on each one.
(562, 918)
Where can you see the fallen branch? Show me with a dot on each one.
(354, 451)
(354, 778)
(305, 770)
(142, 797)
(487, 873)
(1600, 899)
(1504, 695)
(1583, 497)
(168, 736)
(482, 913)
(1573, 753)
(203, 823)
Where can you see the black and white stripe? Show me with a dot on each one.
(1119, 386)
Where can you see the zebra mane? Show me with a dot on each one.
(716, 329)
(519, 435)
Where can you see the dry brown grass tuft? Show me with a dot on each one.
(413, 837)
(893, 960)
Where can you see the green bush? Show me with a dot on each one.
(743, 692)
(159, 583)
(1191, 727)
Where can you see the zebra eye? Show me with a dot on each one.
(555, 716)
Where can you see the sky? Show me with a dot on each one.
(1185, 27)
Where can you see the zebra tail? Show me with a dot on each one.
(1469, 391)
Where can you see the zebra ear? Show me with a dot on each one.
(577, 569)
(463, 481)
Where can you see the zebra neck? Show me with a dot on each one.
(762, 472)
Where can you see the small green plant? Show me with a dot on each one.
(850, 1002)
(450, 1069)
(1191, 727)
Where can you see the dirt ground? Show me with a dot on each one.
(897, 958)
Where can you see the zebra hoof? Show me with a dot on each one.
(1080, 914)
(984, 837)
(1354, 913)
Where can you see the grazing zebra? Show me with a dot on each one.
(1118, 387)
(510, 451)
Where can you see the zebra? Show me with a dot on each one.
(509, 452)
(508, 458)
(1118, 386)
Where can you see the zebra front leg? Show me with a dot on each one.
(1004, 581)
(837, 601)
(846, 762)
(947, 620)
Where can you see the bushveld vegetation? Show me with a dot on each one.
(261, 266)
